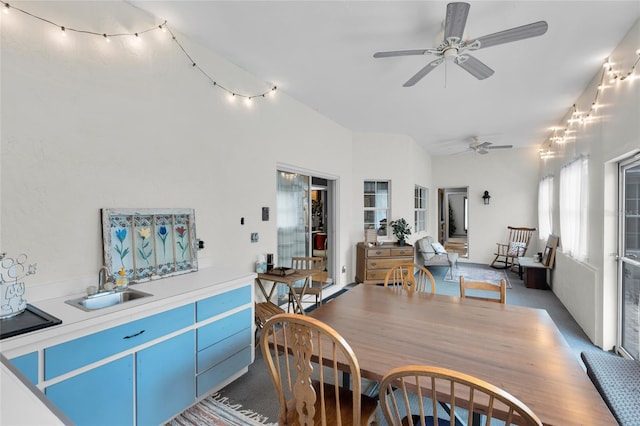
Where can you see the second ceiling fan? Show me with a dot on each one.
(454, 48)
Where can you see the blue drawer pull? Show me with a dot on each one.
(134, 335)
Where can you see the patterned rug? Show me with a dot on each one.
(217, 410)
(471, 273)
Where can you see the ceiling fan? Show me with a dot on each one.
(484, 147)
(454, 48)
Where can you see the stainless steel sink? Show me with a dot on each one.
(106, 298)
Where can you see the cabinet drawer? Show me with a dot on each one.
(218, 304)
(376, 274)
(402, 251)
(213, 377)
(77, 353)
(375, 252)
(213, 333)
(384, 263)
(222, 350)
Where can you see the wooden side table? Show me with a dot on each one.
(535, 273)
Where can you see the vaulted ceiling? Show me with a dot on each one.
(321, 53)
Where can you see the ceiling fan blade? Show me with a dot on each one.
(499, 147)
(514, 34)
(482, 151)
(424, 71)
(456, 20)
(400, 53)
(474, 66)
(483, 145)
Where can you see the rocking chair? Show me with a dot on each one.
(508, 254)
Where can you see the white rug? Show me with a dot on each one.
(477, 274)
(217, 410)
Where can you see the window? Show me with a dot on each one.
(574, 201)
(629, 249)
(376, 205)
(420, 206)
(545, 207)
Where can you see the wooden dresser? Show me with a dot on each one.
(372, 263)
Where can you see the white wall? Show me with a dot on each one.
(396, 158)
(509, 175)
(88, 124)
(588, 289)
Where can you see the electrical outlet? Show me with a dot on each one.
(254, 237)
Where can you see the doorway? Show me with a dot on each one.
(629, 259)
(453, 223)
(305, 219)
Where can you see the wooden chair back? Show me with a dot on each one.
(410, 277)
(517, 246)
(484, 286)
(411, 394)
(307, 263)
(294, 347)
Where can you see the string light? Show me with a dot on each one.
(162, 27)
(584, 118)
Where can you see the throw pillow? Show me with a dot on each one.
(438, 248)
(516, 249)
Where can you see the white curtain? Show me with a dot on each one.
(574, 204)
(545, 207)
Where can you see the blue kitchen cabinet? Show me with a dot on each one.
(70, 355)
(100, 396)
(28, 365)
(165, 379)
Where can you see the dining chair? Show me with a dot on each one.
(484, 286)
(410, 277)
(425, 395)
(295, 347)
(316, 282)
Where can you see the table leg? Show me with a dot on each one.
(298, 299)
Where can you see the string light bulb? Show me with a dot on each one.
(163, 27)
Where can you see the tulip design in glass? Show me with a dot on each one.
(149, 242)
(145, 259)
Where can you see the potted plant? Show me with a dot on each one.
(401, 229)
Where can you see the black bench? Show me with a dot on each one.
(618, 381)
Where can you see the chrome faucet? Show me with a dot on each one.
(104, 275)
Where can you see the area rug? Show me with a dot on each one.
(217, 410)
(471, 273)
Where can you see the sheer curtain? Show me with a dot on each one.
(574, 203)
(545, 207)
(292, 218)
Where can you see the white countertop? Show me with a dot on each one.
(166, 293)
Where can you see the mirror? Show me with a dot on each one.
(454, 220)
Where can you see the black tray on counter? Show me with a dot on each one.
(30, 319)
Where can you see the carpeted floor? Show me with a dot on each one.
(473, 273)
(254, 390)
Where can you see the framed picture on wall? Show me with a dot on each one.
(146, 243)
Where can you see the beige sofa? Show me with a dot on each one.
(428, 256)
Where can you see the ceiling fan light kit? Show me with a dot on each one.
(454, 49)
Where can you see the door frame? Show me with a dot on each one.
(333, 220)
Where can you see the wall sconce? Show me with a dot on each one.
(486, 198)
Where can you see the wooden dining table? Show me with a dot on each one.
(516, 348)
